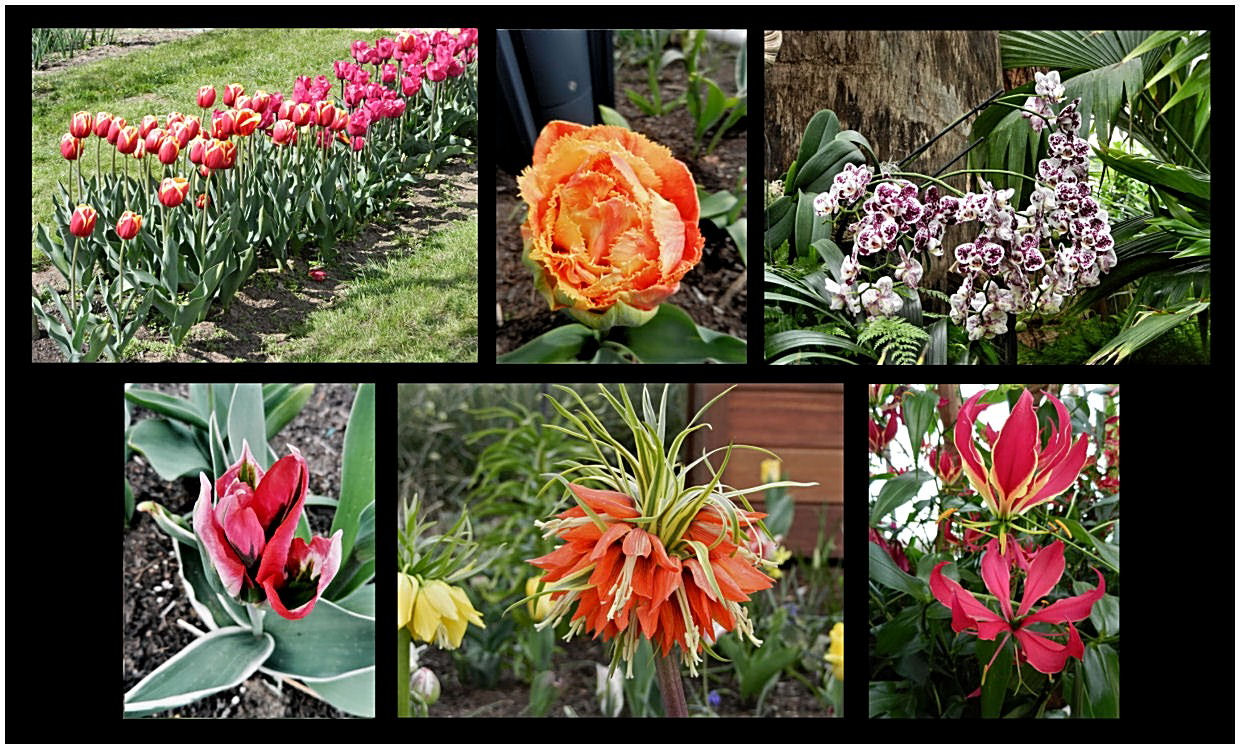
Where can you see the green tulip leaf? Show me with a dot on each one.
(282, 410)
(327, 643)
(353, 693)
(214, 662)
(563, 344)
(246, 424)
(671, 337)
(168, 405)
(169, 447)
(357, 471)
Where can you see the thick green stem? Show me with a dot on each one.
(256, 618)
(667, 667)
(404, 708)
(73, 272)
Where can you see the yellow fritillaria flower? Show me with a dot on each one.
(539, 607)
(835, 651)
(435, 611)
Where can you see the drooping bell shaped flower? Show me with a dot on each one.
(1039, 647)
(1022, 471)
(249, 532)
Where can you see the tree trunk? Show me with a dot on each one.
(897, 88)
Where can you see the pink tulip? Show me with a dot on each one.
(389, 73)
(384, 48)
(359, 122)
(249, 534)
(231, 92)
(318, 274)
(410, 85)
(284, 133)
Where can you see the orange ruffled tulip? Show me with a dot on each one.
(612, 224)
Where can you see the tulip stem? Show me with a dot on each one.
(670, 686)
(73, 271)
(256, 618)
(404, 708)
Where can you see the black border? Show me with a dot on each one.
(61, 476)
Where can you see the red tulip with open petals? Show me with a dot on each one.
(1036, 647)
(249, 533)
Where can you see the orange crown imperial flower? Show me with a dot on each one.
(612, 224)
(659, 560)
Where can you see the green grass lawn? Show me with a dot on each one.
(420, 306)
(165, 79)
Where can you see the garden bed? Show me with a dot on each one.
(713, 293)
(154, 598)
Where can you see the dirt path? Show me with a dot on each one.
(127, 40)
(271, 303)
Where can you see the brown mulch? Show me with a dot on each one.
(713, 293)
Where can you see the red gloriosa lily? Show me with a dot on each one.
(249, 535)
(880, 436)
(1023, 473)
(1038, 649)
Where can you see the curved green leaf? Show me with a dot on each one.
(357, 469)
(169, 447)
(671, 337)
(885, 572)
(167, 405)
(214, 662)
(329, 642)
(283, 410)
(562, 344)
(246, 423)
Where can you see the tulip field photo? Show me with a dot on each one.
(994, 581)
(581, 551)
(620, 225)
(258, 195)
(249, 550)
(1025, 197)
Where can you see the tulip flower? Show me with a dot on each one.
(410, 85)
(70, 147)
(358, 143)
(179, 132)
(388, 73)
(114, 129)
(152, 138)
(405, 41)
(206, 96)
(343, 69)
(128, 225)
(880, 436)
(241, 102)
(326, 113)
(358, 49)
(81, 124)
(223, 123)
(231, 92)
(384, 48)
(172, 191)
(220, 154)
(249, 532)
(147, 124)
(425, 686)
(174, 117)
(82, 222)
(196, 148)
(193, 126)
(434, 611)
(246, 122)
(260, 101)
(1022, 472)
(1040, 649)
(317, 274)
(168, 150)
(284, 133)
(103, 123)
(139, 151)
(202, 201)
(359, 122)
(301, 114)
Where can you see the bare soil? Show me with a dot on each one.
(127, 40)
(153, 598)
(713, 293)
(272, 303)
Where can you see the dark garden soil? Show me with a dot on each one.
(153, 597)
(127, 40)
(574, 676)
(271, 303)
(713, 293)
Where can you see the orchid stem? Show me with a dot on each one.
(670, 686)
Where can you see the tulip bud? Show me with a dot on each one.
(127, 140)
(129, 224)
(220, 154)
(260, 101)
(359, 143)
(152, 138)
(424, 686)
(223, 124)
(301, 114)
(147, 124)
(172, 191)
(326, 112)
(168, 150)
(103, 123)
(202, 201)
(70, 147)
(284, 133)
(196, 147)
(115, 129)
(206, 96)
(231, 92)
(82, 223)
(81, 124)
(389, 73)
